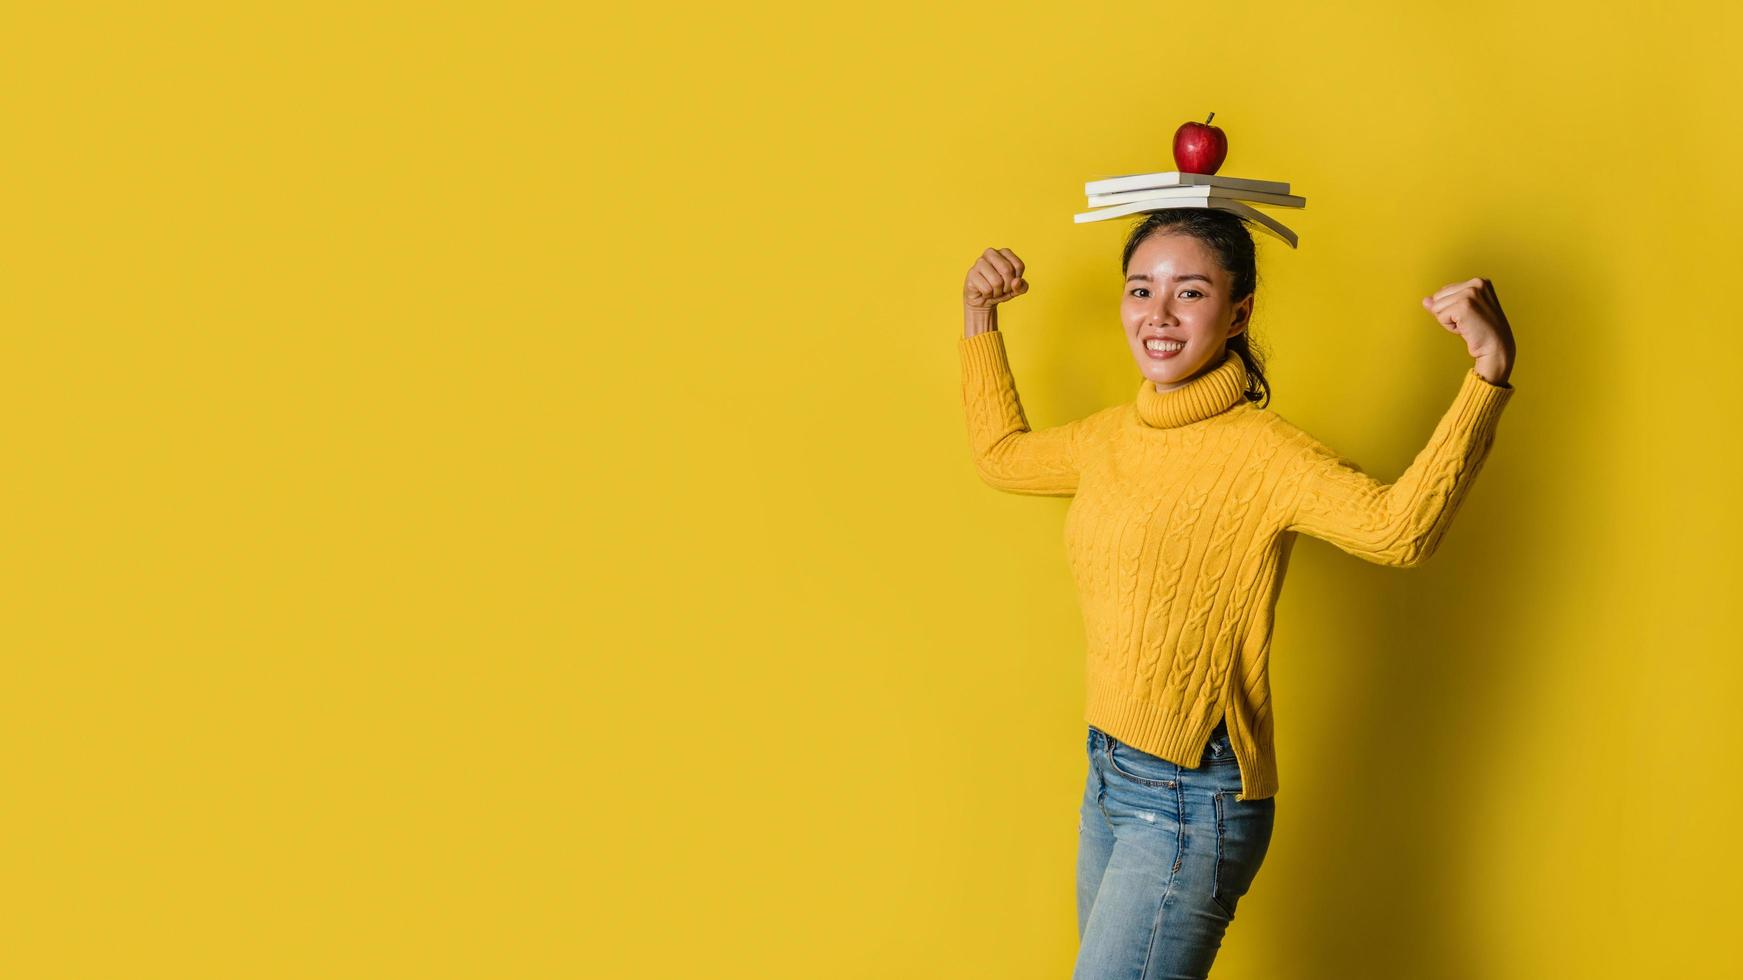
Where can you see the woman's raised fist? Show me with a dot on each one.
(995, 277)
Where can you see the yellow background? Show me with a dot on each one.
(488, 497)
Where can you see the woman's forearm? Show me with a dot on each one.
(1401, 523)
(976, 320)
(1008, 454)
(1495, 368)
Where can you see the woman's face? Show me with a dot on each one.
(1177, 292)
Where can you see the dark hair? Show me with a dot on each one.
(1226, 235)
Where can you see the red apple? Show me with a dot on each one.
(1199, 147)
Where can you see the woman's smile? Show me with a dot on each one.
(1162, 350)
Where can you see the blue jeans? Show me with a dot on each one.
(1163, 855)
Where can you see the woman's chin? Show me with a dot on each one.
(1161, 375)
(1170, 372)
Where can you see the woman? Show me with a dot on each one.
(1186, 503)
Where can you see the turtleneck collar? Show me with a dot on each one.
(1212, 393)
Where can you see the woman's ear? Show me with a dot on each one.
(1243, 315)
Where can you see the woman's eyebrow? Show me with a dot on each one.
(1180, 278)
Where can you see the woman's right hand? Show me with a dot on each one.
(995, 277)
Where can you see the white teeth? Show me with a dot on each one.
(1164, 344)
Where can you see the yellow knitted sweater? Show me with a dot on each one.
(1185, 506)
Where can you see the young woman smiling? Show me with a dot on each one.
(1186, 503)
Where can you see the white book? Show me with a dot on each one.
(1175, 178)
(1264, 221)
(1251, 197)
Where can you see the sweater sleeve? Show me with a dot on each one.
(1400, 524)
(1007, 454)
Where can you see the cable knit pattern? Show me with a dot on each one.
(1185, 505)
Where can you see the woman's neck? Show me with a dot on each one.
(1209, 393)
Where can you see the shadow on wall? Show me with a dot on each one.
(1430, 660)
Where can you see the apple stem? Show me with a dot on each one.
(1209, 118)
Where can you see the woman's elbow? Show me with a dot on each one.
(1412, 552)
(1388, 551)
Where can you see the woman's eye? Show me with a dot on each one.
(1140, 289)
(1193, 291)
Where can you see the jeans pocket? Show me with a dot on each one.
(1140, 767)
(1243, 833)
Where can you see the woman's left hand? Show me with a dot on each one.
(1471, 310)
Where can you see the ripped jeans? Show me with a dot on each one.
(1164, 853)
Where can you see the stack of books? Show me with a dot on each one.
(1116, 197)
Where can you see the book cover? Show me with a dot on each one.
(1201, 190)
(1174, 178)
